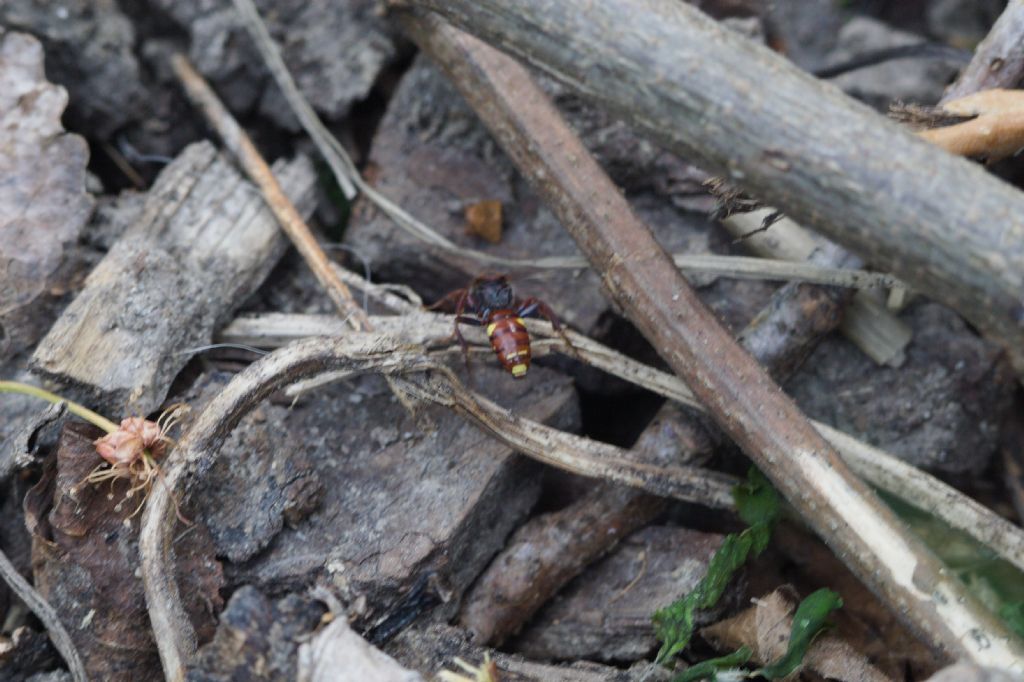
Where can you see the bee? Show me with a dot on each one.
(489, 301)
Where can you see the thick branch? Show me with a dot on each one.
(641, 277)
(998, 61)
(943, 224)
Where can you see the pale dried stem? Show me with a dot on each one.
(874, 465)
(239, 144)
(46, 615)
(998, 61)
(411, 371)
(347, 174)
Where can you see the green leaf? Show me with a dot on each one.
(758, 505)
(807, 622)
(756, 500)
(1013, 615)
(710, 667)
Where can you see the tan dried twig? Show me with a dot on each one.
(995, 130)
(347, 175)
(874, 465)
(47, 616)
(412, 371)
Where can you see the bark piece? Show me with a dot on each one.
(90, 50)
(203, 243)
(85, 551)
(433, 647)
(605, 614)
(405, 517)
(434, 158)
(256, 638)
(940, 411)
(335, 51)
(43, 201)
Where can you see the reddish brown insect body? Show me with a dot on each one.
(489, 300)
(510, 341)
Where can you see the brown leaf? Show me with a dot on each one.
(484, 220)
(43, 202)
(85, 562)
(765, 628)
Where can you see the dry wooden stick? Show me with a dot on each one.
(941, 223)
(239, 144)
(996, 131)
(47, 616)
(998, 61)
(414, 373)
(878, 468)
(643, 280)
(550, 550)
(346, 173)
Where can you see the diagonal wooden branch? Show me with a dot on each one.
(642, 279)
(941, 223)
(239, 144)
(998, 61)
(47, 615)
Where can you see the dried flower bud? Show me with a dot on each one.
(132, 438)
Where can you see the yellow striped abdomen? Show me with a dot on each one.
(510, 341)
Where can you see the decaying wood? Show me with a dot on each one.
(605, 614)
(747, 113)
(551, 549)
(643, 280)
(872, 328)
(441, 502)
(432, 646)
(287, 215)
(200, 247)
(998, 61)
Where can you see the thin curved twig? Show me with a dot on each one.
(874, 465)
(416, 374)
(45, 613)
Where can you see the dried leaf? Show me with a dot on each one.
(766, 628)
(807, 623)
(85, 559)
(484, 220)
(43, 202)
(995, 132)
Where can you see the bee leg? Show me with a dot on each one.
(453, 299)
(535, 306)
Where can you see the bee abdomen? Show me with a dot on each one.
(510, 341)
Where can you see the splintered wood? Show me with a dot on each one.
(202, 243)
